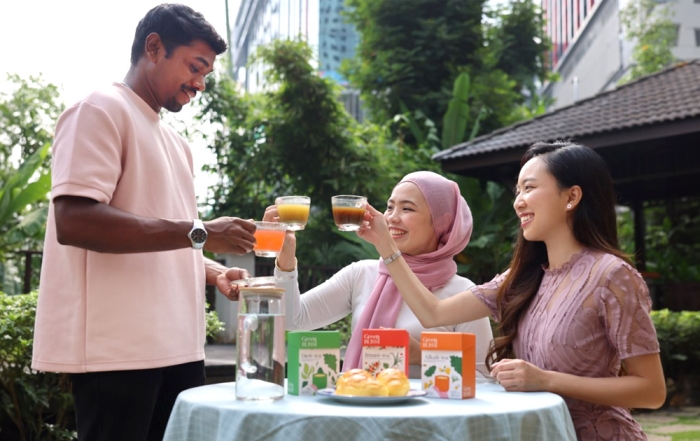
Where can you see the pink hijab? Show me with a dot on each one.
(452, 222)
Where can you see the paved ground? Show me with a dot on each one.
(659, 425)
(662, 425)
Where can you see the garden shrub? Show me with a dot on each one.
(679, 334)
(36, 405)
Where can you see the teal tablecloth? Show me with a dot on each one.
(212, 413)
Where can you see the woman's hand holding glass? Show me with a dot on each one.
(286, 259)
(376, 231)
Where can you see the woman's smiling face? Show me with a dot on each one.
(409, 220)
(540, 203)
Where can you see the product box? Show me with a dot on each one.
(313, 359)
(384, 349)
(448, 364)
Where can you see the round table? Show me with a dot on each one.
(212, 413)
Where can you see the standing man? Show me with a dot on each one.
(121, 302)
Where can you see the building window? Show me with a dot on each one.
(697, 37)
(674, 43)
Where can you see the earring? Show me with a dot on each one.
(568, 206)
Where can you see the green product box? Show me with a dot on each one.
(313, 359)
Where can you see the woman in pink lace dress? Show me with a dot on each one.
(573, 312)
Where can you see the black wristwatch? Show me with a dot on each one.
(197, 235)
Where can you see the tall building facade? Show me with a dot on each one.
(320, 22)
(259, 22)
(337, 39)
(589, 51)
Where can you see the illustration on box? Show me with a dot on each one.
(377, 358)
(443, 378)
(318, 374)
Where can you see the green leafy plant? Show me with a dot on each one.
(678, 334)
(343, 326)
(29, 109)
(37, 405)
(22, 188)
(671, 237)
(649, 23)
(214, 325)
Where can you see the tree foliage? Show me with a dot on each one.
(27, 116)
(28, 113)
(410, 54)
(297, 138)
(518, 41)
(649, 25)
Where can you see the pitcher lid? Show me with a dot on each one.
(262, 290)
(261, 282)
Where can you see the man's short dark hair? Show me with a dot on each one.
(178, 25)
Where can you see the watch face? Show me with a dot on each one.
(198, 235)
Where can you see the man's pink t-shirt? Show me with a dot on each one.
(100, 311)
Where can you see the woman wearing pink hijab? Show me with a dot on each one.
(430, 223)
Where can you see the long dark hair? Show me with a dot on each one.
(594, 226)
(178, 25)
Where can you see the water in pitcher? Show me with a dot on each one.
(261, 357)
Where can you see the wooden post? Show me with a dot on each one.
(640, 253)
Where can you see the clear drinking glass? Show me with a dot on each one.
(269, 238)
(293, 211)
(260, 346)
(348, 211)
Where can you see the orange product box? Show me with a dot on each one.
(448, 364)
(384, 349)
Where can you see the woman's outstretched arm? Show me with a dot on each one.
(431, 312)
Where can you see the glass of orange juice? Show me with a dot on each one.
(293, 211)
(269, 237)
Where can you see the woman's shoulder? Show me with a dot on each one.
(614, 267)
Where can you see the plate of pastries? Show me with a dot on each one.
(357, 386)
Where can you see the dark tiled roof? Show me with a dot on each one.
(669, 95)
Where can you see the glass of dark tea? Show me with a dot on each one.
(348, 211)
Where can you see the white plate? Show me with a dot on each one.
(351, 399)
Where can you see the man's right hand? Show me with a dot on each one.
(229, 235)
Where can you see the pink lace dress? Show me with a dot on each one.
(586, 317)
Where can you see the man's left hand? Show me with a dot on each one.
(223, 282)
